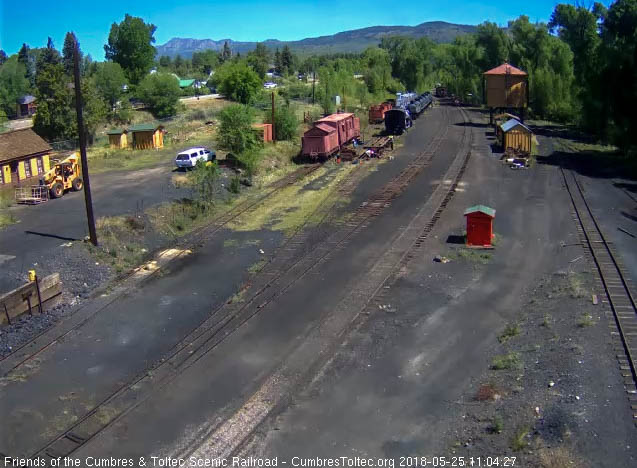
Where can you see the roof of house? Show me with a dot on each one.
(185, 83)
(506, 69)
(510, 124)
(335, 117)
(26, 99)
(144, 128)
(480, 209)
(116, 131)
(21, 143)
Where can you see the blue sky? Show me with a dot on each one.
(244, 20)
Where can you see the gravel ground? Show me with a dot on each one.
(551, 403)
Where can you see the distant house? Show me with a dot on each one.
(118, 138)
(186, 83)
(26, 106)
(23, 155)
(146, 136)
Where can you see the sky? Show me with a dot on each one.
(241, 20)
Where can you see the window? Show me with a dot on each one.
(27, 169)
(202, 152)
(40, 165)
(193, 155)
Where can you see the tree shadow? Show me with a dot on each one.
(472, 124)
(593, 163)
(54, 236)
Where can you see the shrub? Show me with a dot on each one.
(285, 123)
(203, 180)
(160, 92)
(237, 81)
(235, 132)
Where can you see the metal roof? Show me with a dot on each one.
(335, 117)
(480, 209)
(322, 127)
(21, 143)
(144, 128)
(510, 124)
(27, 99)
(185, 83)
(116, 131)
(506, 69)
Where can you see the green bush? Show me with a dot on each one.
(237, 81)
(160, 92)
(235, 132)
(203, 180)
(285, 123)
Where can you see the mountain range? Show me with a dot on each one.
(355, 40)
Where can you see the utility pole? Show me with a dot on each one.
(313, 84)
(82, 133)
(273, 125)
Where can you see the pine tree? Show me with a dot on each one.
(68, 50)
(49, 56)
(3, 56)
(227, 53)
(277, 62)
(286, 60)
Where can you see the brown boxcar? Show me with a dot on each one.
(377, 113)
(320, 141)
(347, 126)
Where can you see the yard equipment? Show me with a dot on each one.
(64, 175)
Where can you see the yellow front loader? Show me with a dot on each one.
(64, 175)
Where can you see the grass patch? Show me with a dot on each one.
(474, 256)
(292, 206)
(519, 440)
(230, 243)
(547, 321)
(497, 425)
(509, 332)
(576, 286)
(120, 240)
(586, 320)
(508, 361)
(257, 266)
(6, 201)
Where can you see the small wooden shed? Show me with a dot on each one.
(479, 225)
(264, 131)
(514, 134)
(26, 106)
(118, 138)
(146, 136)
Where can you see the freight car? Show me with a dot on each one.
(329, 135)
(377, 113)
(441, 91)
(403, 99)
(417, 106)
(397, 121)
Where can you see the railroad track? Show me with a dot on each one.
(281, 273)
(362, 301)
(197, 237)
(615, 283)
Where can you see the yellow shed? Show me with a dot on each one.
(506, 87)
(118, 138)
(516, 135)
(146, 136)
(23, 155)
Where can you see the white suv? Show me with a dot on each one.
(187, 159)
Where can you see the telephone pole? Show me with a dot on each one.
(82, 133)
(273, 125)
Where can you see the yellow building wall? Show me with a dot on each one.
(34, 167)
(124, 141)
(6, 172)
(518, 140)
(506, 91)
(46, 163)
(21, 173)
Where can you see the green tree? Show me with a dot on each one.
(237, 81)
(13, 85)
(49, 56)
(55, 119)
(164, 61)
(205, 61)
(130, 45)
(494, 41)
(278, 62)
(259, 59)
(67, 53)
(287, 61)
(160, 91)
(109, 82)
(235, 129)
(25, 57)
(226, 54)
(204, 181)
(3, 57)
(285, 123)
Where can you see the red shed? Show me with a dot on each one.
(320, 141)
(377, 113)
(347, 125)
(479, 225)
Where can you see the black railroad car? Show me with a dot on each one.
(397, 121)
